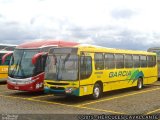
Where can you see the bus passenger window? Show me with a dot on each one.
(143, 60)
(109, 61)
(99, 62)
(128, 61)
(151, 61)
(119, 59)
(136, 61)
(154, 61)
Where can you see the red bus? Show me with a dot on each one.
(27, 64)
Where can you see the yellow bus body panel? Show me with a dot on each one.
(112, 79)
(3, 72)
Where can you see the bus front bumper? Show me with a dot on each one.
(3, 79)
(63, 92)
(25, 87)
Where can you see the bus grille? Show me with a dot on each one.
(57, 88)
(51, 83)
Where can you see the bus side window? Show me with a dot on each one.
(119, 59)
(151, 61)
(136, 61)
(143, 60)
(85, 67)
(109, 61)
(128, 61)
(99, 61)
(154, 61)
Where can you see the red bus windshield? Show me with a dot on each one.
(21, 63)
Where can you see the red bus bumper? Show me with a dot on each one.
(36, 85)
(26, 87)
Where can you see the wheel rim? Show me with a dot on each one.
(140, 84)
(96, 92)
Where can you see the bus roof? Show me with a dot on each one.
(46, 43)
(96, 48)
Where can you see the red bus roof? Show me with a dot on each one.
(45, 43)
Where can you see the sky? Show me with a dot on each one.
(125, 24)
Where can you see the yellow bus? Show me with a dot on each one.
(5, 49)
(92, 70)
(4, 65)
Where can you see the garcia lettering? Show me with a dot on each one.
(119, 74)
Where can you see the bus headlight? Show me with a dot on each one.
(20, 81)
(69, 90)
(29, 81)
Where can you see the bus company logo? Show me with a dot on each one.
(132, 76)
(119, 74)
(135, 75)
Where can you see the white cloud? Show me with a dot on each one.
(104, 22)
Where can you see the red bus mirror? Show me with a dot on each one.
(5, 56)
(36, 56)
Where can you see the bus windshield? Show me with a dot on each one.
(62, 67)
(21, 63)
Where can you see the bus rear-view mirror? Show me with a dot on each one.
(37, 56)
(5, 57)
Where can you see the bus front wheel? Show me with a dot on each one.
(139, 83)
(97, 91)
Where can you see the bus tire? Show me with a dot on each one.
(97, 91)
(140, 83)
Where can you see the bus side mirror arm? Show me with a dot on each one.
(36, 56)
(5, 56)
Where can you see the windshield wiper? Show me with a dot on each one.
(21, 69)
(14, 69)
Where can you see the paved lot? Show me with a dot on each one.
(126, 101)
